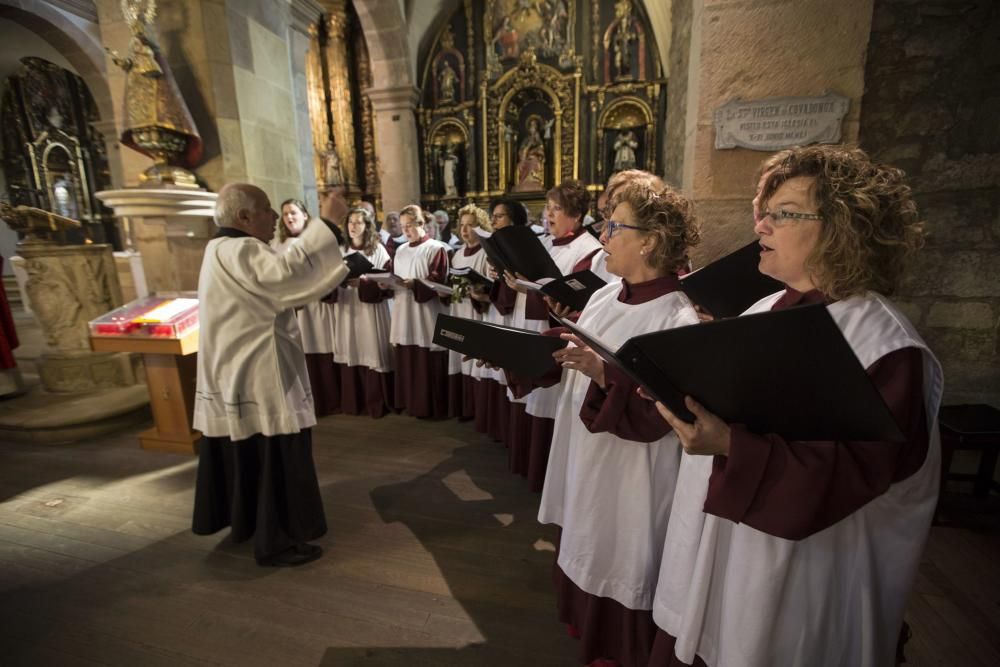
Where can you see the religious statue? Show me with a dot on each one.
(157, 122)
(623, 40)
(449, 170)
(530, 173)
(332, 172)
(447, 78)
(625, 146)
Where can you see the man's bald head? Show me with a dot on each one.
(245, 207)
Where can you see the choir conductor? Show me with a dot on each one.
(253, 404)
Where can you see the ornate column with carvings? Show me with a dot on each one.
(396, 144)
(341, 105)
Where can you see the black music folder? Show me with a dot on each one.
(517, 249)
(573, 290)
(358, 265)
(730, 285)
(520, 351)
(789, 372)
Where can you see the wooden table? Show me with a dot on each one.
(171, 372)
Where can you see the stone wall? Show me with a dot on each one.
(931, 107)
(678, 61)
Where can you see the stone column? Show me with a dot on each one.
(769, 48)
(396, 144)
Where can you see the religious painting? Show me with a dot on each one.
(528, 135)
(517, 25)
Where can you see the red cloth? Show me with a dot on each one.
(8, 334)
(795, 489)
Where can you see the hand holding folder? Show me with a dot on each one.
(789, 372)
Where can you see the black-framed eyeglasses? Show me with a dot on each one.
(780, 217)
(612, 227)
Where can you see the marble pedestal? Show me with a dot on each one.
(169, 228)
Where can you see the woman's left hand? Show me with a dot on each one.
(707, 436)
(580, 358)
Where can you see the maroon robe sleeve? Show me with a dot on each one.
(437, 272)
(619, 410)
(370, 292)
(502, 296)
(535, 307)
(795, 489)
(521, 386)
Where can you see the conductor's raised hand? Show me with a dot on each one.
(706, 436)
(579, 357)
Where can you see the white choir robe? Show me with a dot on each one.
(735, 595)
(316, 319)
(252, 374)
(612, 496)
(361, 345)
(461, 373)
(412, 332)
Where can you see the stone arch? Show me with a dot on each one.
(387, 36)
(81, 49)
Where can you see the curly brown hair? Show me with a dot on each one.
(572, 195)
(481, 216)
(667, 216)
(622, 178)
(870, 225)
(370, 240)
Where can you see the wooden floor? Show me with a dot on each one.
(433, 557)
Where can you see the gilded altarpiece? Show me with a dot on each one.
(53, 157)
(516, 97)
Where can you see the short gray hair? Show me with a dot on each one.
(231, 199)
(443, 214)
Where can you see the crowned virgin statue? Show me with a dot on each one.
(157, 122)
(530, 176)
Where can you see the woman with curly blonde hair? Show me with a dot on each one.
(470, 301)
(783, 552)
(612, 495)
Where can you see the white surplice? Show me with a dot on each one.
(361, 329)
(251, 366)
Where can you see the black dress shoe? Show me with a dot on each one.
(300, 554)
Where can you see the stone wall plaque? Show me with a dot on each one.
(780, 122)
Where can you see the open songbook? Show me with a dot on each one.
(520, 351)
(789, 372)
(731, 284)
(385, 280)
(573, 290)
(518, 250)
(441, 289)
(358, 265)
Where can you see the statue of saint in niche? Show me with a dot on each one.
(449, 170)
(332, 172)
(530, 172)
(624, 38)
(447, 78)
(625, 146)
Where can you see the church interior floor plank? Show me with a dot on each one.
(433, 557)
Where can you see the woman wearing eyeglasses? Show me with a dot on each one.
(572, 249)
(611, 495)
(421, 367)
(803, 553)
